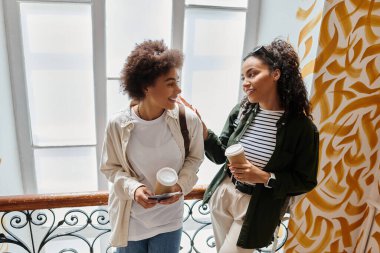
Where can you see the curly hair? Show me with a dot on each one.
(148, 61)
(290, 86)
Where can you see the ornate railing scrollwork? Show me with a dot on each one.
(72, 224)
(32, 230)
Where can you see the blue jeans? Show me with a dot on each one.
(161, 243)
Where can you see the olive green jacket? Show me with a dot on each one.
(294, 162)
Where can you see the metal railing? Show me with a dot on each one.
(32, 223)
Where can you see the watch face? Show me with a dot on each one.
(271, 182)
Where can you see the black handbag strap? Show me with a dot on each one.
(184, 130)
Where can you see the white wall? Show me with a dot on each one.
(10, 176)
(278, 19)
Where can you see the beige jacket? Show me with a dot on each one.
(117, 169)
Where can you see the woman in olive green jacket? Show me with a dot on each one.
(273, 124)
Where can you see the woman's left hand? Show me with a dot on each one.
(171, 200)
(249, 173)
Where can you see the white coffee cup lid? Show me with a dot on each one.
(234, 150)
(167, 176)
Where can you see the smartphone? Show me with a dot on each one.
(164, 196)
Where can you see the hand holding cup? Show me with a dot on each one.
(166, 179)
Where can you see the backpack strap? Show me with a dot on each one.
(184, 130)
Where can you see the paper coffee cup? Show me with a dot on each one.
(166, 179)
(235, 154)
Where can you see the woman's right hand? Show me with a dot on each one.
(188, 105)
(185, 103)
(141, 197)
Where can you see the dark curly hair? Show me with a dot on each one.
(290, 86)
(149, 60)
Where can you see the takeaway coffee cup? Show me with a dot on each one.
(166, 179)
(235, 154)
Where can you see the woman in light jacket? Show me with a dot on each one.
(143, 139)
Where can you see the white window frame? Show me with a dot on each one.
(19, 89)
(18, 80)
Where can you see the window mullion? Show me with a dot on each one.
(19, 95)
(252, 20)
(178, 21)
(100, 79)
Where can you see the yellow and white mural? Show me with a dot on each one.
(342, 214)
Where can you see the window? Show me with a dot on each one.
(57, 46)
(66, 57)
(219, 3)
(129, 22)
(212, 66)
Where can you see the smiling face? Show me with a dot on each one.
(260, 83)
(163, 93)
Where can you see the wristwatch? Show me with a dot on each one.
(271, 181)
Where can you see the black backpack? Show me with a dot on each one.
(184, 130)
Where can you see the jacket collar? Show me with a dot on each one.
(174, 113)
(282, 120)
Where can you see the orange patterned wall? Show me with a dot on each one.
(340, 215)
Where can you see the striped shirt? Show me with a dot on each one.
(259, 140)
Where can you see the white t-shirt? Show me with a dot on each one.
(150, 148)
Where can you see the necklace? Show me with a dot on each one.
(138, 111)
